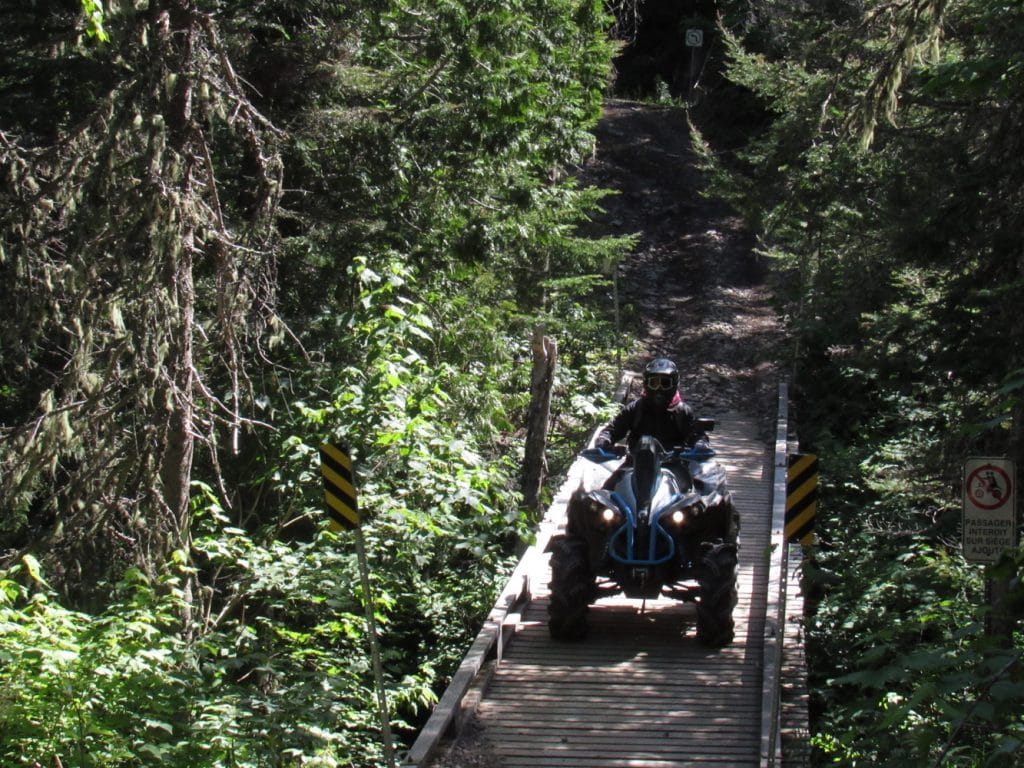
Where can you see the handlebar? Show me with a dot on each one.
(601, 455)
(693, 453)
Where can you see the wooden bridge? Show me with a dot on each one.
(640, 690)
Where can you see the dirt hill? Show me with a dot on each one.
(697, 291)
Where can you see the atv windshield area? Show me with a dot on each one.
(646, 466)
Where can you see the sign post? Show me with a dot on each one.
(343, 510)
(990, 529)
(694, 41)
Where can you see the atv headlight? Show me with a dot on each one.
(609, 517)
(680, 516)
(603, 510)
(675, 519)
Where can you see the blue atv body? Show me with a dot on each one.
(662, 525)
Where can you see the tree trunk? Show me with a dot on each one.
(178, 255)
(184, 141)
(1005, 591)
(176, 466)
(545, 354)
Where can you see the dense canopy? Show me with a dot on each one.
(230, 231)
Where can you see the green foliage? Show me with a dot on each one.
(903, 672)
(73, 682)
(93, 10)
(884, 187)
(122, 688)
(185, 316)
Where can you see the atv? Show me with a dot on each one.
(663, 524)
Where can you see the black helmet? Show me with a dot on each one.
(661, 380)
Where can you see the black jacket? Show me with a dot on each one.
(673, 427)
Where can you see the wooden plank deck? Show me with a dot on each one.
(640, 690)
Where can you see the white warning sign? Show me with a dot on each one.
(990, 509)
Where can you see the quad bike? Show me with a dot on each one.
(666, 526)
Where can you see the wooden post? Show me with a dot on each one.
(542, 379)
(618, 316)
(378, 671)
(343, 512)
(1000, 623)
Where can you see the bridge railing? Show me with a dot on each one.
(775, 614)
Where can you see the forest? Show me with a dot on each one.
(230, 232)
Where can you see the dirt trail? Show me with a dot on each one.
(697, 291)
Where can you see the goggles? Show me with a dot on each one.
(657, 381)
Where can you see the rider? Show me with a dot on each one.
(659, 412)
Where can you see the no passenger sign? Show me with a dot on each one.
(990, 505)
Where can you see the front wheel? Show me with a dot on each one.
(718, 596)
(572, 586)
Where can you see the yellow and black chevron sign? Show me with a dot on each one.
(801, 497)
(339, 487)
